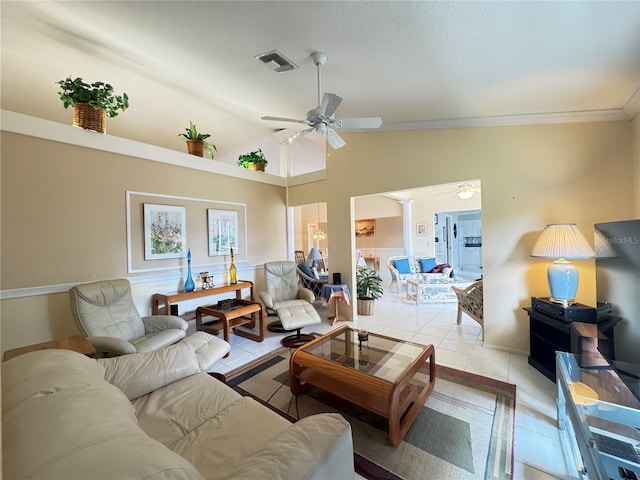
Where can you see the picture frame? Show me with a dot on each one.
(365, 228)
(421, 229)
(165, 231)
(223, 231)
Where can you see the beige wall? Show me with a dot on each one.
(63, 210)
(64, 222)
(531, 176)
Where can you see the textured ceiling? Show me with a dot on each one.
(415, 64)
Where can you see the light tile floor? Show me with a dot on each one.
(538, 449)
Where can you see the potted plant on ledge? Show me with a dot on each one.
(196, 142)
(368, 289)
(253, 160)
(92, 103)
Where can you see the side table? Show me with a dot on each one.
(238, 314)
(77, 343)
(335, 294)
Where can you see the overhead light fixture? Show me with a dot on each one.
(562, 241)
(277, 62)
(465, 191)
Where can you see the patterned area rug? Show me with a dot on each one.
(464, 431)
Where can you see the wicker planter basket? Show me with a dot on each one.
(365, 307)
(259, 167)
(87, 117)
(195, 147)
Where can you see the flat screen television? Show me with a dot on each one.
(618, 283)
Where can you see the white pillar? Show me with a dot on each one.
(406, 226)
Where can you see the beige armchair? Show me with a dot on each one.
(290, 302)
(104, 311)
(470, 301)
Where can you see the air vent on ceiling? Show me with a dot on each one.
(276, 61)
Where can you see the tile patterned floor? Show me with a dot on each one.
(538, 451)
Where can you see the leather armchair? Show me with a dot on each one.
(105, 312)
(290, 302)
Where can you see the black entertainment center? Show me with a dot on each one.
(550, 330)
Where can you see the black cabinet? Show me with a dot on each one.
(547, 334)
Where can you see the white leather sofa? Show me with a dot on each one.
(403, 268)
(152, 416)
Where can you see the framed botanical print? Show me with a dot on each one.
(223, 231)
(165, 234)
(421, 228)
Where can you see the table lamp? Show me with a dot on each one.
(314, 256)
(562, 241)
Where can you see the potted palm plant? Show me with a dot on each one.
(196, 141)
(91, 102)
(253, 160)
(368, 289)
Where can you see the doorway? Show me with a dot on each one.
(459, 242)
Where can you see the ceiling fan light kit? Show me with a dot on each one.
(321, 119)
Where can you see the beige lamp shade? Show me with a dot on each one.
(562, 241)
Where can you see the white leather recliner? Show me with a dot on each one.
(290, 302)
(104, 311)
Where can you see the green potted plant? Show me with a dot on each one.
(196, 142)
(91, 102)
(368, 289)
(253, 160)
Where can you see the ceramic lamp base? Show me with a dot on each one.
(563, 282)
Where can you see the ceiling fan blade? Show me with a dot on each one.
(363, 122)
(281, 119)
(330, 103)
(334, 139)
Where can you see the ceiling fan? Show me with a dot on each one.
(465, 190)
(321, 119)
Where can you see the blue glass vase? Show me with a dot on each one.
(189, 284)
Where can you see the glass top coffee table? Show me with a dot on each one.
(389, 377)
(434, 290)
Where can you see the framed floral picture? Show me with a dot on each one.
(165, 233)
(421, 228)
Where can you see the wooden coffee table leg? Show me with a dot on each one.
(399, 422)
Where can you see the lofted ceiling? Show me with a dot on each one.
(416, 64)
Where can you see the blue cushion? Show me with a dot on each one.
(427, 264)
(402, 265)
(306, 269)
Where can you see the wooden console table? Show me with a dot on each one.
(161, 302)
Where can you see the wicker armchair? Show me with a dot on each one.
(470, 302)
(312, 283)
(299, 256)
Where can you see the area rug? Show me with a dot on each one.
(464, 431)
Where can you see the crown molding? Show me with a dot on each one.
(520, 119)
(633, 105)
